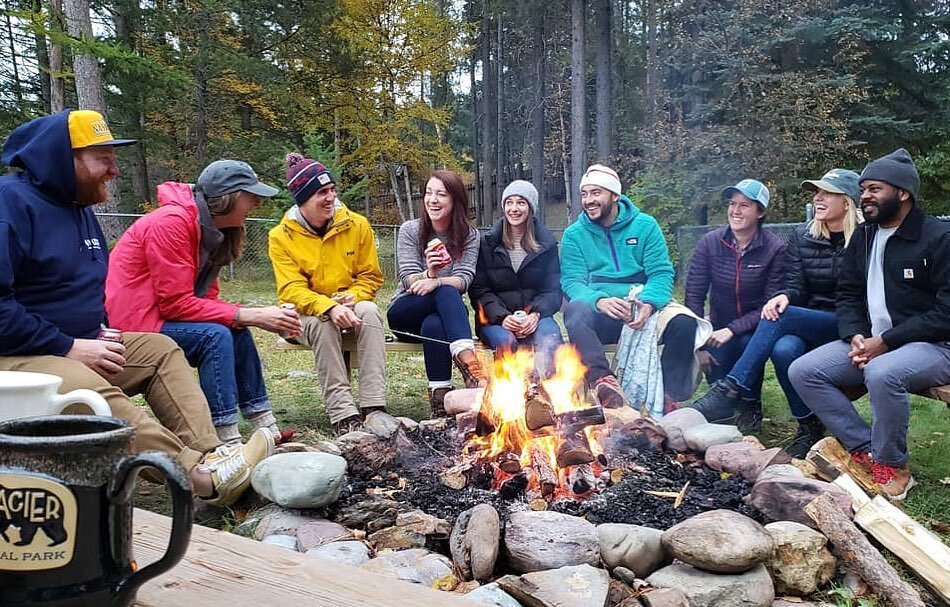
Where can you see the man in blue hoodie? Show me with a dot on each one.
(53, 260)
(611, 247)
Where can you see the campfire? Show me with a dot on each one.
(537, 437)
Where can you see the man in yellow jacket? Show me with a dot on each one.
(325, 263)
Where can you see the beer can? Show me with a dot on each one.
(520, 315)
(109, 334)
(437, 245)
(288, 306)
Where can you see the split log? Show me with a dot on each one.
(538, 413)
(509, 463)
(366, 456)
(513, 487)
(855, 549)
(921, 551)
(832, 460)
(573, 450)
(465, 424)
(581, 479)
(571, 422)
(544, 473)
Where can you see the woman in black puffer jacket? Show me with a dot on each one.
(518, 271)
(802, 317)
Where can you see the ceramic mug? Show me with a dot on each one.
(28, 394)
(66, 486)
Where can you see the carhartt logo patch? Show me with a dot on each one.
(908, 273)
(633, 241)
(37, 523)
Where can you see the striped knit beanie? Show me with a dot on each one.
(305, 177)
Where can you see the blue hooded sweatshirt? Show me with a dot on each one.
(598, 262)
(53, 255)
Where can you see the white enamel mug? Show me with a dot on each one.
(28, 394)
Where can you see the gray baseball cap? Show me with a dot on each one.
(836, 181)
(226, 176)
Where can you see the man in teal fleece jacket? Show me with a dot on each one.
(609, 248)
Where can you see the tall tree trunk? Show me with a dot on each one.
(476, 152)
(89, 95)
(42, 56)
(404, 215)
(488, 152)
(501, 127)
(17, 85)
(651, 37)
(201, 93)
(57, 92)
(537, 113)
(133, 108)
(578, 103)
(604, 89)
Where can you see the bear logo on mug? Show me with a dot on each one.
(37, 523)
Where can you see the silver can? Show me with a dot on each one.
(290, 340)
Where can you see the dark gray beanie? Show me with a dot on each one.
(525, 189)
(897, 169)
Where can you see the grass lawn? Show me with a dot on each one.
(298, 404)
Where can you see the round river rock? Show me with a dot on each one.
(536, 541)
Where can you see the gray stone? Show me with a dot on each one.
(722, 541)
(284, 541)
(574, 586)
(801, 562)
(699, 438)
(631, 546)
(744, 458)
(300, 480)
(426, 524)
(326, 446)
(320, 532)
(463, 400)
(353, 554)
(535, 541)
(492, 594)
(408, 423)
(474, 542)
(381, 423)
(783, 498)
(298, 374)
(396, 538)
(276, 520)
(664, 597)
(418, 566)
(435, 425)
(627, 576)
(781, 603)
(676, 422)
(705, 589)
(779, 470)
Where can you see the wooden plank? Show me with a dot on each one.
(831, 460)
(916, 547)
(939, 393)
(224, 570)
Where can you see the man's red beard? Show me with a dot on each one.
(90, 191)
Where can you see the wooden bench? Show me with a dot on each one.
(224, 570)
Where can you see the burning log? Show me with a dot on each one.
(456, 477)
(543, 472)
(573, 450)
(513, 487)
(571, 422)
(509, 463)
(581, 479)
(465, 424)
(538, 413)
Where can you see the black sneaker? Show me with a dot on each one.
(810, 431)
(719, 404)
(750, 416)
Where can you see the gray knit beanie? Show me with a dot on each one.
(525, 189)
(897, 169)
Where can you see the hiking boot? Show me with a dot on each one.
(718, 405)
(810, 431)
(437, 402)
(231, 466)
(346, 425)
(467, 363)
(750, 416)
(893, 482)
(608, 393)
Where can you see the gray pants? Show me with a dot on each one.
(327, 343)
(818, 375)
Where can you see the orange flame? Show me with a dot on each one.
(482, 317)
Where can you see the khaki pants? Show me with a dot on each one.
(156, 367)
(327, 343)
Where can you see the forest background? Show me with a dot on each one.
(681, 96)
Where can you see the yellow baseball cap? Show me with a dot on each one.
(88, 128)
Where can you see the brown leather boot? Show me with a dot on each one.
(467, 363)
(437, 402)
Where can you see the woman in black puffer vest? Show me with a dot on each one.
(802, 317)
(518, 271)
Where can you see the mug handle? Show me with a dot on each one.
(90, 398)
(179, 486)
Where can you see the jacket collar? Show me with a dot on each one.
(728, 239)
(910, 228)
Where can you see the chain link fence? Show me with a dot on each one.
(255, 266)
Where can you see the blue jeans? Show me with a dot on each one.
(545, 340)
(440, 315)
(229, 368)
(726, 356)
(796, 331)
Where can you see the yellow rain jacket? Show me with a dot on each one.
(310, 269)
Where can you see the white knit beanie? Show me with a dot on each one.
(605, 177)
(525, 189)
